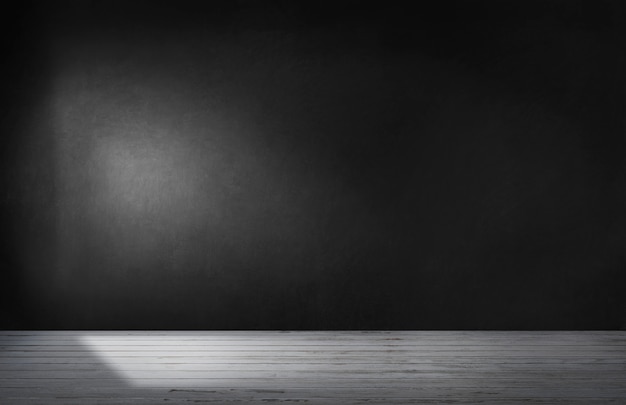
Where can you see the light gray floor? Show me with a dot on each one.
(192, 367)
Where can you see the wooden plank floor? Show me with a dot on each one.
(187, 367)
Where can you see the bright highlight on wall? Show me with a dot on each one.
(138, 181)
(134, 183)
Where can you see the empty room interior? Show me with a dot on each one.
(323, 202)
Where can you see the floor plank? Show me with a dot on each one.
(313, 367)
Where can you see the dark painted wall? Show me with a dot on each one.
(293, 165)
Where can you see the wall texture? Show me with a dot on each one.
(314, 165)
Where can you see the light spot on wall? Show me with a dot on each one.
(133, 181)
(142, 181)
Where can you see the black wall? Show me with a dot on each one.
(313, 165)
